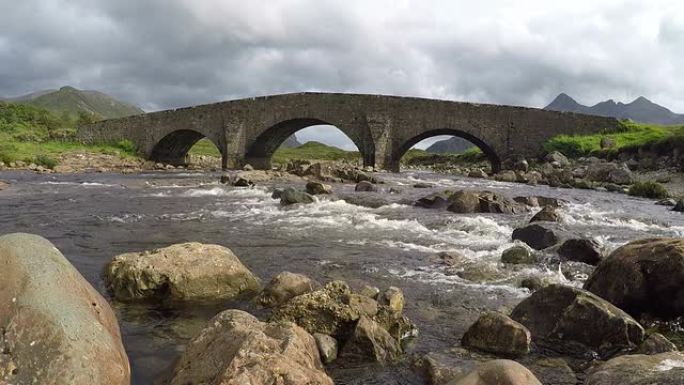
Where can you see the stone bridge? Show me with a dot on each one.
(382, 127)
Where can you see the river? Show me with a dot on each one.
(93, 217)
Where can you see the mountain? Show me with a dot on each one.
(450, 146)
(70, 100)
(291, 142)
(640, 110)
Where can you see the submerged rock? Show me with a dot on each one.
(285, 286)
(656, 343)
(54, 327)
(496, 333)
(365, 186)
(518, 255)
(318, 188)
(236, 348)
(547, 214)
(537, 236)
(498, 372)
(434, 201)
(183, 272)
(291, 196)
(581, 250)
(564, 318)
(639, 369)
(645, 276)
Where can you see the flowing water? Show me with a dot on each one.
(93, 217)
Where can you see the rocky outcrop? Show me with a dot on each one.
(574, 321)
(337, 311)
(54, 327)
(638, 369)
(236, 348)
(645, 276)
(286, 286)
(183, 272)
(498, 372)
(496, 333)
(581, 250)
(537, 236)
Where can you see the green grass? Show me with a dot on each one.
(35, 135)
(651, 190)
(206, 148)
(632, 136)
(420, 157)
(314, 151)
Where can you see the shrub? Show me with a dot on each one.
(651, 190)
(7, 153)
(126, 146)
(46, 161)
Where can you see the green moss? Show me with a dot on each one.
(651, 190)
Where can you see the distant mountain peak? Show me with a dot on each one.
(563, 102)
(640, 110)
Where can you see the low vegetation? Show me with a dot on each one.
(315, 151)
(35, 135)
(633, 136)
(418, 157)
(650, 190)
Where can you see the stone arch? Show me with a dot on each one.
(173, 148)
(488, 150)
(260, 151)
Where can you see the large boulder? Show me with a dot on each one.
(54, 327)
(370, 341)
(568, 319)
(610, 173)
(537, 236)
(644, 276)
(335, 310)
(497, 333)
(466, 202)
(183, 272)
(434, 201)
(236, 348)
(639, 369)
(498, 372)
(557, 157)
(285, 286)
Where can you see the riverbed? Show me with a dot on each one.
(93, 217)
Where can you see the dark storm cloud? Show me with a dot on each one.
(171, 53)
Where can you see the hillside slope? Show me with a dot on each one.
(74, 101)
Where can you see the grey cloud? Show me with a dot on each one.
(171, 53)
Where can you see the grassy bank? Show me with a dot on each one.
(632, 137)
(310, 151)
(34, 135)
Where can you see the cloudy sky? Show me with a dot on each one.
(170, 53)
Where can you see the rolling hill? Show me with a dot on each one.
(74, 101)
(453, 145)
